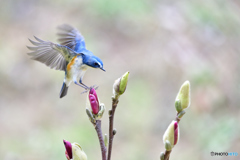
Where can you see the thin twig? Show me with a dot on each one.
(111, 119)
(100, 137)
(177, 119)
(167, 155)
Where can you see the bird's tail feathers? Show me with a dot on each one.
(63, 90)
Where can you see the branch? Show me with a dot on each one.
(100, 137)
(167, 155)
(111, 119)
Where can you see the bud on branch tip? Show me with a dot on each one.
(120, 85)
(68, 147)
(93, 101)
(183, 98)
(74, 151)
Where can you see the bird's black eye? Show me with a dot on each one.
(96, 64)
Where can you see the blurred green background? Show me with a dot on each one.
(162, 44)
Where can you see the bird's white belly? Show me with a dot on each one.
(79, 72)
(76, 72)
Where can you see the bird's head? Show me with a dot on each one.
(93, 61)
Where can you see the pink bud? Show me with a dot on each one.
(68, 151)
(93, 101)
(93, 91)
(175, 132)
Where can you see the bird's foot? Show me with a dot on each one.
(94, 86)
(89, 88)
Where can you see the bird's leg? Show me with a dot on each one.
(88, 88)
(80, 81)
(83, 86)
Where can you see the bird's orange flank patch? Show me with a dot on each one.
(71, 63)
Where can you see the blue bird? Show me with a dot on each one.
(70, 56)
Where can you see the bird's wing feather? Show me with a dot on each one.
(53, 55)
(71, 37)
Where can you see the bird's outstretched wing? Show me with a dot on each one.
(53, 55)
(71, 37)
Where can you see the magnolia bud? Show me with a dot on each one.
(68, 151)
(78, 153)
(184, 96)
(171, 135)
(94, 106)
(93, 99)
(74, 151)
(120, 85)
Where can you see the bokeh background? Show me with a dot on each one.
(162, 44)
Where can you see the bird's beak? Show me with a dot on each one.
(103, 69)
